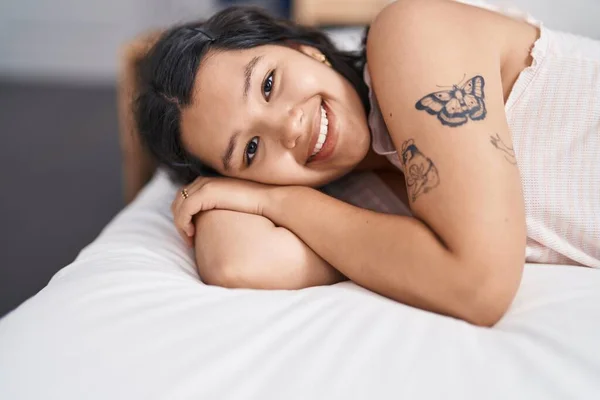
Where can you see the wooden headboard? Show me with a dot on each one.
(336, 12)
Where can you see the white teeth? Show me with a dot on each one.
(322, 132)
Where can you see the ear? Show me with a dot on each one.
(310, 51)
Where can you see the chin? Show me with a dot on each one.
(341, 171)
(330, 176)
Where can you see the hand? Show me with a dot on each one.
(206, 194)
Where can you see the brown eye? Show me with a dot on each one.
(268, 85)
(251, 149)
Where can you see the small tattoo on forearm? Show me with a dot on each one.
(420, 172)
(509, 152)
(454, 107)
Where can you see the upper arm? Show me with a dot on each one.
(455, 147)
(235, 249)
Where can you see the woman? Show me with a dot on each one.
(484, 125)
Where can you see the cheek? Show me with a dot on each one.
(308, 77)
(288, 172)
(274, 171)
(285, 172)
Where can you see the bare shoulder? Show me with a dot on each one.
(426, 14)
(418, 24)
(427, 37)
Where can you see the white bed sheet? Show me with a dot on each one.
(129, 319)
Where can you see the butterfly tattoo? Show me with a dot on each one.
(454, 107)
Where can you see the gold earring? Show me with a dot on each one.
(321, 57)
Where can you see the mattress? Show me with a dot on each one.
(129, 319)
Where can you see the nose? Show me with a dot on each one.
(293, 128)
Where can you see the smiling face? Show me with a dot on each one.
(275, 114)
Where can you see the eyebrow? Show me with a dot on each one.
(229, 152)
(248, 70)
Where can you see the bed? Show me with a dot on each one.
(129, 319)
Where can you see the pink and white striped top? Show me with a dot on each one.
(553, 113)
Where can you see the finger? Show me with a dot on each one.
(180, 198)
(189, 241)
(184, 230)
(186, 212)
(186, 208)
(190, 189)
(177, 200)
(191, 231)
(182, 234)
(179, 219)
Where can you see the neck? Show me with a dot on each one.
(373, 161)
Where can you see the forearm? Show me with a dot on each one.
(398, 257)
(236, 249)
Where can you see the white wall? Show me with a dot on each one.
(576, 16)
(79, 39)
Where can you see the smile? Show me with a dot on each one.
(323, 131)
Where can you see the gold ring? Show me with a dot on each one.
(184, 193)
